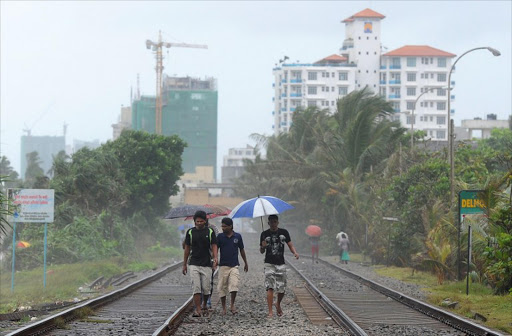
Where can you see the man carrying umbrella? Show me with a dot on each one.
(272, 243)
(198, 242)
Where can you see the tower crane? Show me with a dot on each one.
(157, 48)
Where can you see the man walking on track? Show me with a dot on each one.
(198, 243)
(229, 242)
(272, 243)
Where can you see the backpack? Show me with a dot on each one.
(209, 235)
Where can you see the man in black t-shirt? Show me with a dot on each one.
(272, 243)
(199, 242)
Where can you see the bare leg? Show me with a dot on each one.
(223, 301)
(270, 300)
(233, 297)
(197, 303)
(205, 299)
(280, 297)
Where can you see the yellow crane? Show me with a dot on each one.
(157, 48)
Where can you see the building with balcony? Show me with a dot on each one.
(400, 76)
(233, 165)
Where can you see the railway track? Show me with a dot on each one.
(365, 307)
(138, 308)
(159, 304)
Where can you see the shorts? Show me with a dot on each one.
(314, 249)
(201, 277)
(229, 278)
(275, 277)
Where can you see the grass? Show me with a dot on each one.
(63, 281)
(496, 308)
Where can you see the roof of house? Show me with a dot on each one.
(334, 58)
(365, 13)
(419, 50)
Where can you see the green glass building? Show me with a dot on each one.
(190, 111)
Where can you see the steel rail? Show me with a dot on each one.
(443, 316)
(333, 310)
(49, 323)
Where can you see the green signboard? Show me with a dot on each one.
(471, 202)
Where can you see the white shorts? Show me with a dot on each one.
(229, 278)
(201, 277)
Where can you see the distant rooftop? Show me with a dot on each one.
(365, 13)
(419, 50)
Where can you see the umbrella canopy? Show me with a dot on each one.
(218, 210)
(260, 206)
(23, 244)
(186, 211)
(314, 231)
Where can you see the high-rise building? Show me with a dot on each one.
(190, 111)
(46, 147)
(399, 76)
(233, 165)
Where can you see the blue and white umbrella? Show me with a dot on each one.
(260, 206)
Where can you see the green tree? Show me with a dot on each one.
(151, 165)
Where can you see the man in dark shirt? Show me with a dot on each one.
(229, 243)
(272, 243)
(200, 241)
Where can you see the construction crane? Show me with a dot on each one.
(157, 48)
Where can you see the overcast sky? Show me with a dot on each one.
(75, 62)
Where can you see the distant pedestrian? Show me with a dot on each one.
(200, 241)
(344, 245)
(229, 242)
(272, 243)
(315, 248)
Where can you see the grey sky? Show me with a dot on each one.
(75, 62)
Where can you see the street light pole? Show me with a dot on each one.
(449, 128)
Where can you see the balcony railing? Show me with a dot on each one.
(298, 80)
(395, 81)
(382, 67)
(283, 95)
(292, 109)
(452, 97)
(395, 67)
(283, 109)
(394, 96)
(452, 111)
(284, 80)
(295, 94)
(382, 82)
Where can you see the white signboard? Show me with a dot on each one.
(32, 205)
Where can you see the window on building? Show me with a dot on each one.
(411, 91)
(410, 105)
(196, 96)
(441, 62)
(342, 90)
(343, 76)
(411, 61)
(441, 92)
(396, 106)
(311, 103)
(431, 118)
(441, 106)
(327, 74)
(409, 119)
(312, 75)
(395, 61)
(431, 104)
(332, 74)
(440, 134)
(332, 103)
(441, 77)
(411, 76)
(441, 120)
(323, 88)
(312, 90)
(431, 60)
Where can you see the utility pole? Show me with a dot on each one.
(157, 48)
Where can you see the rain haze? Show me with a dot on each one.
(76, 63)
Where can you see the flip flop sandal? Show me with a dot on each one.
(196, 315)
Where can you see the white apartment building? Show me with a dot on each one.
(400, 76)
(233, 165)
